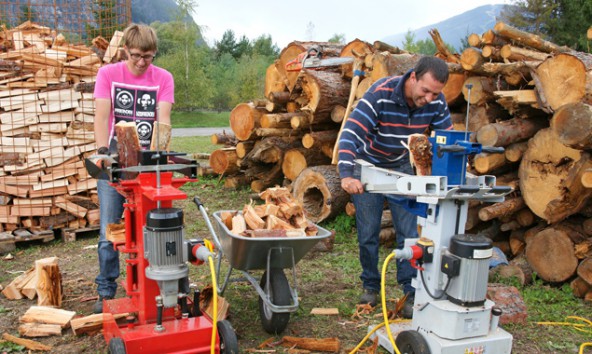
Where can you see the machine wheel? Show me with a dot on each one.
(279, 291)
(228, 341)
(116, 346)
(411, 342)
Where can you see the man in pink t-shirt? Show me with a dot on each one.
(137, 91)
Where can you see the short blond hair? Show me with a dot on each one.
(141, 37)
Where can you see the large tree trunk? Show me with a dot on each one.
(562, 79)
(550, 177)
(324, 90)
(386, 64)
(550, 253)
(319, 191)
(351, 49)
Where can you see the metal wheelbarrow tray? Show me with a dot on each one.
(277, 299)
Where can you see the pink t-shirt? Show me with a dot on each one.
(134, 98)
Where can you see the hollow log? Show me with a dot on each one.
(292, 50)
(296, 160)
(244, 119)
(561, 79)
(274, 81)
(550, 253)
(527, 39)
(509, 131)
(323, 90)
(507, 207)
(318, 189)
(386, 64)
(572, 123)
(550, 177)
(224, 161)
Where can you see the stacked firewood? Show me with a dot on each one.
(528, 95)
(46, 124)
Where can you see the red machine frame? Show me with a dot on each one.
(179, 334)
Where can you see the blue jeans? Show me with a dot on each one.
(111, 204)
(369, 207)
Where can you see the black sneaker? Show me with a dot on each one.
(370, 297)
(98, 306)
(407, 310)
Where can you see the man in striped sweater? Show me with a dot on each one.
(392, 109)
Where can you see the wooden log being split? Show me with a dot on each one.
(319, 191)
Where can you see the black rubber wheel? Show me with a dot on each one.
(116, 346)
(228, 341)
(279, 291)
(411, 342)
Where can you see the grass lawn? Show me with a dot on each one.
(201, 119)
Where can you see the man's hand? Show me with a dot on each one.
(352, 185)
(101, 163)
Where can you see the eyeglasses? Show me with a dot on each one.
(146, 57)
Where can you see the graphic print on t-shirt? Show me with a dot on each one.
(136, 104)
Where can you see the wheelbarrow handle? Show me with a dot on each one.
(206, 217)
(197, 202)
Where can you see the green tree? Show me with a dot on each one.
(337, 38)
(105, 20)
(227, 44)
(263, 45)
(27, 14)
(529, 15)
(409, 43)
(243, 47)
(224, 88)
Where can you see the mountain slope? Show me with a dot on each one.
(454, 29)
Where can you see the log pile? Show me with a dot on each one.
(528, 95)
(535, 96)
(46, 126)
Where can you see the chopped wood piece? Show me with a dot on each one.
(331, 345)
(39, 330)
(27, 343)
(49, 282)
(50, 315)
(324, 311)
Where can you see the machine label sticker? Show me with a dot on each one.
(440, 139)
(480, 254)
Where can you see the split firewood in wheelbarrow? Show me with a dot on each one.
(280, 216)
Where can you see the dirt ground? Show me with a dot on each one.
(326, 279)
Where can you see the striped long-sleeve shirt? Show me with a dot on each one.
(381, 120)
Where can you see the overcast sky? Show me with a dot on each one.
(287, 21)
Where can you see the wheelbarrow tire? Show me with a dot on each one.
(275, 322)
(228, 340)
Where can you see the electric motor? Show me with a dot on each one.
(165, 251)
(470, 254)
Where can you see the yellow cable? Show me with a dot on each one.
(355, 350)
(383, 298)
(215, 312)
(576, 326)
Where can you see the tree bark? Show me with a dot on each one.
(515, 151)
(471, 59)
(550, 177)
(527, 39)
(279, 120)
(224, 161)
(507, 207)
(482, 89)
(513, 53)
(510, 131)
(274, 81)
(353, 49)
(385, 64)
(319, 191)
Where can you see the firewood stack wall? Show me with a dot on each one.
(46, 125)
(528, 95)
